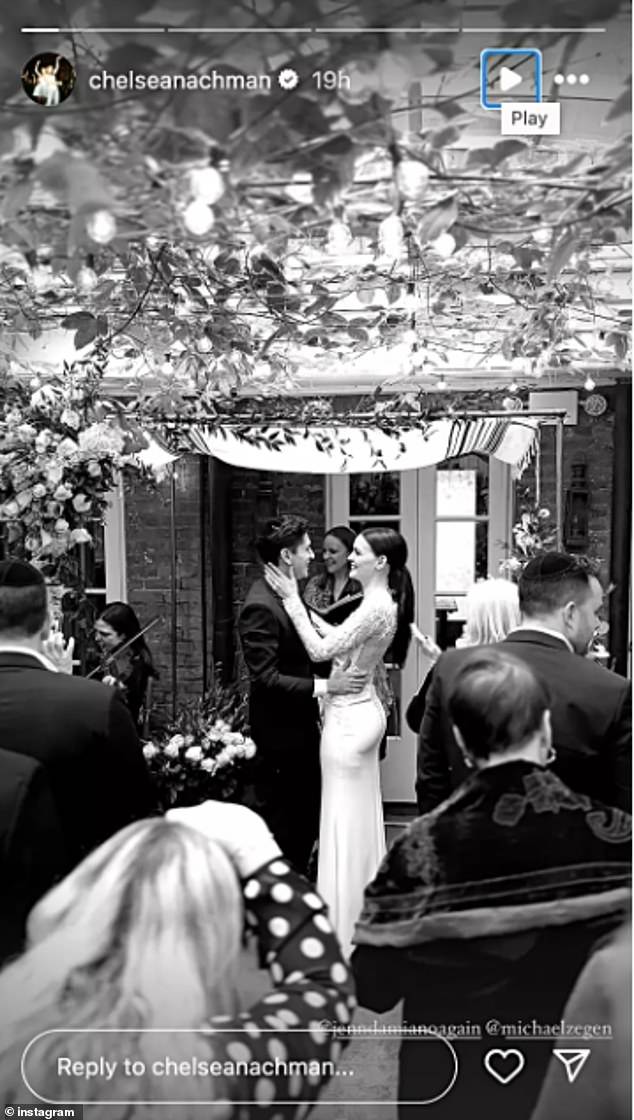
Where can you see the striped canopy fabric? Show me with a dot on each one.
(357, 450)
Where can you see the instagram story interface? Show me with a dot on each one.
(315, 559)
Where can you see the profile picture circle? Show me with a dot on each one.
(48, 79)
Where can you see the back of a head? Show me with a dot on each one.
(23, 601)
(497, 703)
(550, 581)
(145, 932)
(281, 532)
(492, 612)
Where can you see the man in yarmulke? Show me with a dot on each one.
(80, 731)
(560, 599)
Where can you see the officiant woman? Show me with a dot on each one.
(323, 591)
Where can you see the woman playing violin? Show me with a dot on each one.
(132, 670)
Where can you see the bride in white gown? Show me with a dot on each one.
(351, 833)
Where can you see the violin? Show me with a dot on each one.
(113, 663)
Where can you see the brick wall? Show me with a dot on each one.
(590, 441)
(149, 573)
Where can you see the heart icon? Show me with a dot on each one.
(509, 1063)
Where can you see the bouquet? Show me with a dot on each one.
(205, 754)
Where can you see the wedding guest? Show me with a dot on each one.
(81, 732)
(602, 996)
(560, 599)
(32, 855)
(132, 671)
(490, 905)
(492, 611)
(145, 935)
(323, 591)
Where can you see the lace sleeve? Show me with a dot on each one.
(370, 620)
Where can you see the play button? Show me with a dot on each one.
(509, 79)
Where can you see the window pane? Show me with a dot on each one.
(462, 487)
(375, 494)
(382, 523)
(461, 555)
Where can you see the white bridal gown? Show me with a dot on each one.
(351, 832)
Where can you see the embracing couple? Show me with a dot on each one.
(285, 648)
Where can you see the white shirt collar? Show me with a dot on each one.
(543, 630)
(26, 651)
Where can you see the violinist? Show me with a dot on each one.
(132, 669)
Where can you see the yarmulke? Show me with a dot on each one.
(550, 565)
(17, 573)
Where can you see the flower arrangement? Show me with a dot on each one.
(61, 449)
(532, 534)
(203, 755)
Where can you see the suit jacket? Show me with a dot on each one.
(32, 853)
(83, 734)
(591, 719)
(281, 675)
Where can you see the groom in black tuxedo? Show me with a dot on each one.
(284, 687)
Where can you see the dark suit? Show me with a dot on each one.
(32, 854)
(83, 735)
(284, 719)
(591, 720)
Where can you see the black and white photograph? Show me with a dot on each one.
(315, 559)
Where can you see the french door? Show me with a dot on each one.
(456, 520)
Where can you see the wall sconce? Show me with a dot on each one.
(576, 509)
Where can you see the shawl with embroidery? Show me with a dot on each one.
(512, 850)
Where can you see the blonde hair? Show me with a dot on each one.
(146, 932)
(492, 610)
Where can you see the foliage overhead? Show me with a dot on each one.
(488, 252)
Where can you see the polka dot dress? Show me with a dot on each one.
(312, 988)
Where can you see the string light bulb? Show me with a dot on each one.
(206, 184)
(198, 218)
(513, 387)
(410, 337)
(412, 178)
(589, 385)
(441, 383)
(410, 301)
(204, 345)
(391, 236)
(87, 280)
(417, 357)
(339, 237)
(101, 226)
(443, 245)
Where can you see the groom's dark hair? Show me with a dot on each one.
(282, 532)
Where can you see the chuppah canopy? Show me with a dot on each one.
(332, 449)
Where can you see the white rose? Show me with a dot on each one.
(94, 469)
(39, 491)
(61, 525)
(80, 536)
(249, 748)
(81, 503)
(208, 764)
(11, 509)
(150, 751)
(42, 441)
(194, 754)
(223, 757)
(70, 418)
(63, 493)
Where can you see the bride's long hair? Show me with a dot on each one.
(145, 932)
(387, 542)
